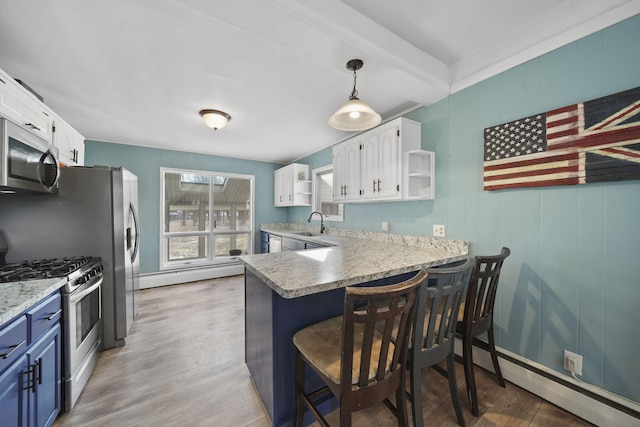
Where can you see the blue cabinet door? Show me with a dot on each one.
(13, 396)
(45, 357)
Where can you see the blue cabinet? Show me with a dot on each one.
(31, 386)
(264, 242)
(270, 323)
(13, 399)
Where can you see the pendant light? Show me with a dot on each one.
(215, 119)
(354, 114)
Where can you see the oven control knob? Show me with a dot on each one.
(81, 281)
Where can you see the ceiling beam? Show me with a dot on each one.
(344, 23)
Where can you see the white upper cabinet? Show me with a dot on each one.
(346, 171)
(292, 186)
(375, 165)
(70, 144)
(380, 166)
(23, 108)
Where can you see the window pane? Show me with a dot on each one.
(231, 204)
(186, 201)
(226, 242)
(327, 205)
(187, 247)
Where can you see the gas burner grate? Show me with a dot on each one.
(41, 269)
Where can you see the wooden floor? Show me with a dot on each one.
(183, 365)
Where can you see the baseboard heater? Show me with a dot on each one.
(174, 277)
(591, 403)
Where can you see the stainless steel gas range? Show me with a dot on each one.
(82, 315)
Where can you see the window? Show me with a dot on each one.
(206, 217)
(323, 195)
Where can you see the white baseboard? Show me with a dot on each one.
(164, 278)
(586, 407)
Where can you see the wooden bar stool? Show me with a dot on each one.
(476, 317)
(360, 364)
(434, 329)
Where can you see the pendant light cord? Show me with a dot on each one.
(354, 92)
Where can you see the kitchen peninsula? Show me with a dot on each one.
(287, 291)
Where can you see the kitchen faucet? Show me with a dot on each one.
(322, 227)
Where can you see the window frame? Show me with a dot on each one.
(316, 194)
(210, 260)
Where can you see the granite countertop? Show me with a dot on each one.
(16, 297)
(348, 261)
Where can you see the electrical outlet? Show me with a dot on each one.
(438, 230)
(385, 225)
(573, 362)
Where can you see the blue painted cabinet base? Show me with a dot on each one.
(270, 323)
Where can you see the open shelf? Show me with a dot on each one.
(420, 174)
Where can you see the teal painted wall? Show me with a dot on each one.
(573, 279)
(146, 164)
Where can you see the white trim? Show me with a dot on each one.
(338, 19)
(210, 260)
(585, 407)
(466, 72)
(316, 196)
(175, 277)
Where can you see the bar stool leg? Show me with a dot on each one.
(416, 397)
(467, 355)
(494, 357)
(453, 387)
(299, 367)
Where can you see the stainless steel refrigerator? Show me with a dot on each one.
(94, 214)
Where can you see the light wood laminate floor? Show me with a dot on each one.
(183, 365)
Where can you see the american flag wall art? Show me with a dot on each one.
(592, 141)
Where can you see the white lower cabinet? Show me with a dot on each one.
(384, 164)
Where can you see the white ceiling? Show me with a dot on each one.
(138, 72)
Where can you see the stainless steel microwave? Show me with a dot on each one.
(28, 163)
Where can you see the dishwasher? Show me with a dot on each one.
(275, 243)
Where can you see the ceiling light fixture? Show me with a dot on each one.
(215, 119)
(354, 114)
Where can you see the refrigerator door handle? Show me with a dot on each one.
(136, 233)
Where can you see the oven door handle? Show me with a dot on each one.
(74, 297)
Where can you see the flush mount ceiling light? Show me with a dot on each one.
(354, 114)
(215, 119)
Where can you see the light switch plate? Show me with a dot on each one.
(385, 225)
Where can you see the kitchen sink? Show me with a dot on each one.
(304, 233)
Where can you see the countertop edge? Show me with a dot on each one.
(16, 297)
(458, 251)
